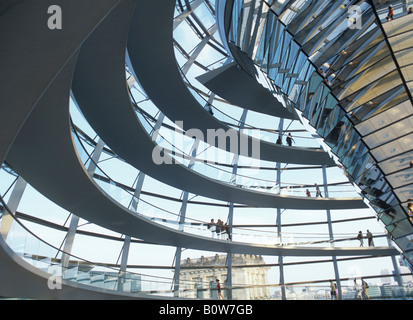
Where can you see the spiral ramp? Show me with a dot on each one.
(87, 57)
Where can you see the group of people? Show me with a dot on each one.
(289, 140)
(220, 229)
(369, 237)
(360, 292)
(317, 191)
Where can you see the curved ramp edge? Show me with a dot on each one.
(239, 88)
(100, 68)
(59, 175)
(20, 279)
(170, 94)
(24, 32)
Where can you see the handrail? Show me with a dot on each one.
(196, 287)
(199, 226)
(180, 155)
(112, 270)
(261, 182)
(239, 233)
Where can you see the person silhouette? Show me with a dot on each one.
(289, 139)
(220, 296)
(360, 238)
(317, 191)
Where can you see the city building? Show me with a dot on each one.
(266, 134)
(198, 277)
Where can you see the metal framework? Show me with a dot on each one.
(83, 135)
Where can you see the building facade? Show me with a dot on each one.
(249, 277)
